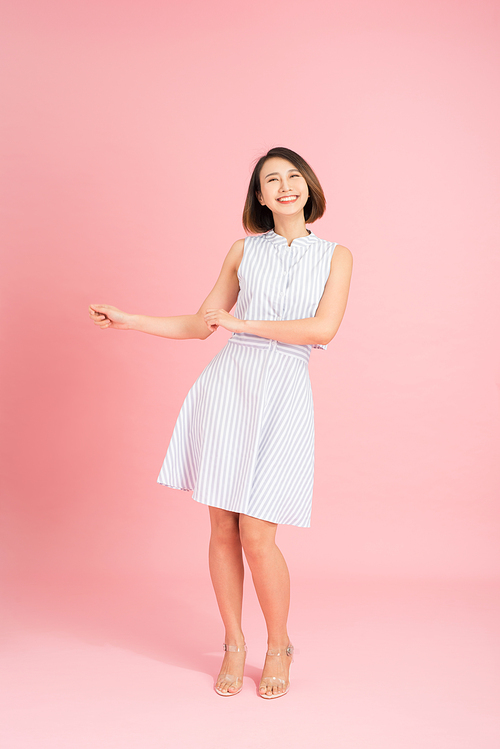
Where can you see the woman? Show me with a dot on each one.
(244, 438)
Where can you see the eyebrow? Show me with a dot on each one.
(271, 173)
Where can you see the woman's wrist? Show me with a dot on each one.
(132, 321)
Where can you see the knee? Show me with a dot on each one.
(257, 538)
(225, 528)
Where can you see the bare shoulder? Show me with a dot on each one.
(238, 244)
(235, 254)
(341, 259)
(342, 253)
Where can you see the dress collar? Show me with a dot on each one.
(280, 241)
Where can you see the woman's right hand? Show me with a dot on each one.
(106, 316)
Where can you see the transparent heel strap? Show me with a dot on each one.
(289, 651)
(233, 648)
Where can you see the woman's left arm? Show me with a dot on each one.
(319, 329)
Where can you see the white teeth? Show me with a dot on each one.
(287, 200)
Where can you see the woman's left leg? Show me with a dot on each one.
(226, 571)
(272, 584)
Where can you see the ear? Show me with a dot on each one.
(259, 197)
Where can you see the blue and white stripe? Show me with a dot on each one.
(244, 438)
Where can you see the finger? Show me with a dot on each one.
(95, 314)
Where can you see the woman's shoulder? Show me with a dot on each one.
(341, 249)
(235, 254)
(238, 247)
(342, 258)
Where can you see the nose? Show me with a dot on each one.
(285, 187)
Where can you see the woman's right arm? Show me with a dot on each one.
(222, 296)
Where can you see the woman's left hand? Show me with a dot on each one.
(216, 317)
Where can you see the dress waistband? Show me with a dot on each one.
(302, 352)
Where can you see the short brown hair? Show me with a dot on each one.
(258, 218)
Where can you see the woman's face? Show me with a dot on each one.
(283, 189)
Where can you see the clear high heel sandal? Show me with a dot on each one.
(274, 681)
(229, 679)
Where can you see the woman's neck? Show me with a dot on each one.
(291, 228)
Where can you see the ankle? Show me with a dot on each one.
(235, 639)
(278, 642)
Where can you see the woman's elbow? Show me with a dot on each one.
(202, 329)
(323, 341)
(326, 335)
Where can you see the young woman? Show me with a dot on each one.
(244, 438)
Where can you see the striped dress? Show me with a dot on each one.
(244, 437)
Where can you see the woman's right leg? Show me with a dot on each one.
(226, 570)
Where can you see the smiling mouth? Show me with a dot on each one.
(287, 199)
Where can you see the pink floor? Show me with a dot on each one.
(121, 663)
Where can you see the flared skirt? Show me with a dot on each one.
(244, 437)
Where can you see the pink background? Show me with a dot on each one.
(128, 136)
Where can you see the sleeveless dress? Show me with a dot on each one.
(244, 437)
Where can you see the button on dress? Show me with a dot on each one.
(244, 437)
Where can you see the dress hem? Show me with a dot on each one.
(171, 486)
(207, 504)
